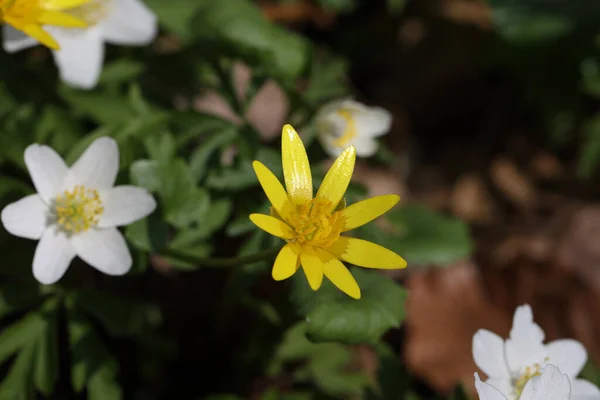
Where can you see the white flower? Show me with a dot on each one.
(550, 384)
(349, 123)
(510, 364)
(76, 211)
(81, 54)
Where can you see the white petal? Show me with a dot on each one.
(80, 57)
(130, 22)
(330, 148)
(568, 355)
(551, 385)
(365, 147)
(52, 257)
(14, 40)
(104, 249)
(486, 391)
(98, 166)
(124, 205)
(25, 218)
(584, 390)
(525, 346)
(375, 121)
(488, 353)
(504, 385)
(47, 170)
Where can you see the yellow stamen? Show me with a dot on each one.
(78, 210)
(350, 130)
(314, 224)
(529, 373)
(92, 12)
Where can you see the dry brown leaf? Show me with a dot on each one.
(471, 201)
(513, 184)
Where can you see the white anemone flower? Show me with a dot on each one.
(510, 364)
(349, 123)
(76, 211)
(81, 54)
(550, 384)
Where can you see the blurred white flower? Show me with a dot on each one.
(349, 123)
(550, 384)
(81, 54)
(76, 211)
(510, 364)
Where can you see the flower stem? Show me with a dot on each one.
(222, 262)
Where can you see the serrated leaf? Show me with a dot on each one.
(148, 234)
(102, 107)
(332, 316)
(423, 236)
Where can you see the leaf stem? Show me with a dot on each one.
(222, 262)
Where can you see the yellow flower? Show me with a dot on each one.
(28, 16)
(312, 227)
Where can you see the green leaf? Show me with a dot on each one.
(15, 297)
(327, 80)
(184, 203)
(148, 234)
(104, 108)
(20, 333)
(161, 147)
(392, 379)
(122, 70)
(232, 178)
(590, 151)
(200, 157)
(88, 352)
(333, 316)
(18, 384)
(423, 236)
(103, 383)
(241, 24)
(120, 317)
(45, 370)
(591, 372)
(175, 15)
(590, 71)
(396, 6)
(340, 6)
(145, 173)
(324, 364)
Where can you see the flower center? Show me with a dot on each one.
(529, 373)
(349, 131)
(92, 12)
(315, 223)
(77, 210)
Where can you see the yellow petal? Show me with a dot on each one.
(273, 189)
(367, 210)
(286, 263)
(57, 18)
(272, 225)
(341, 277)
(338, 177)
(296, 169)
(36, 32)
(366, 254)
(62, 4)
(312, 266)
